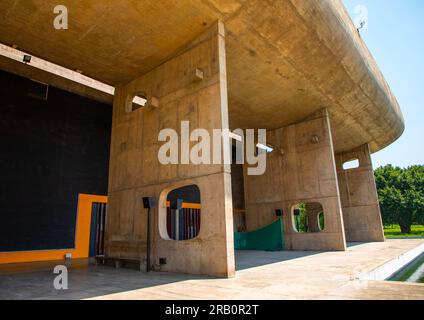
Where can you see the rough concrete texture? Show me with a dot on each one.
(358, 195)
(300, 169)
(261, 275)
(135, 171)
(286, 59)
(283, 60)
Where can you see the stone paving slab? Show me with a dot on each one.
(260, 275)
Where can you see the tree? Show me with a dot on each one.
(401, 194)
(302, 219)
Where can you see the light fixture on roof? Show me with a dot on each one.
(361, 25)
(235, 136)
(266, 148)
(26, 59)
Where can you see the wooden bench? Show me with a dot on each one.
(140, 264)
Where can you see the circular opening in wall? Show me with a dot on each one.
(308, 217)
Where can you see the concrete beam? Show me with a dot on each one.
(30, 72)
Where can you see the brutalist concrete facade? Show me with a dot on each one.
(297, 68)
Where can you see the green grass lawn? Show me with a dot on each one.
(394, 232)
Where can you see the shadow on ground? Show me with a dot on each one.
(253, 259)
(84, 282)
(98, 280)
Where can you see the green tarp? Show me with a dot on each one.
(269, 238)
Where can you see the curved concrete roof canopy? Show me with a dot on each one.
(285, 59)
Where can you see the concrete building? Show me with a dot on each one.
(297, 68)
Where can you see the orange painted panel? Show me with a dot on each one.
(187, 205)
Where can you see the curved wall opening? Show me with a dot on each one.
(308, 217)
(181, 213)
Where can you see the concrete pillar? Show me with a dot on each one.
(191, 86)
(313, 209)
(301, 169)
(264, 193)
(358, 193)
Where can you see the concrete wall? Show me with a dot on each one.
(300, 169)
(136, 172)
(358, 194)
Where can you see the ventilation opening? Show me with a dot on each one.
(308, 217)
(38, 90)
(351, 164)
(183, 213)
(137, 102)
(264, 147)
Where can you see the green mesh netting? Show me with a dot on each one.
(269, 238)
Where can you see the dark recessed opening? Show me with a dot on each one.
(183, 213)
(54, 149)
(38, 90)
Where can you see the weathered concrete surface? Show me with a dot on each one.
(286, 59)
(300, 169)
(358, 195)
(260, 275)
(30, 72)
(135, 171)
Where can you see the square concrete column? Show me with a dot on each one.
(190, 86)
(358, 193)
(301, 169)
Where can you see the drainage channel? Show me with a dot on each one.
(413, 272)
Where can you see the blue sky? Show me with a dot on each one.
(395, 37)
